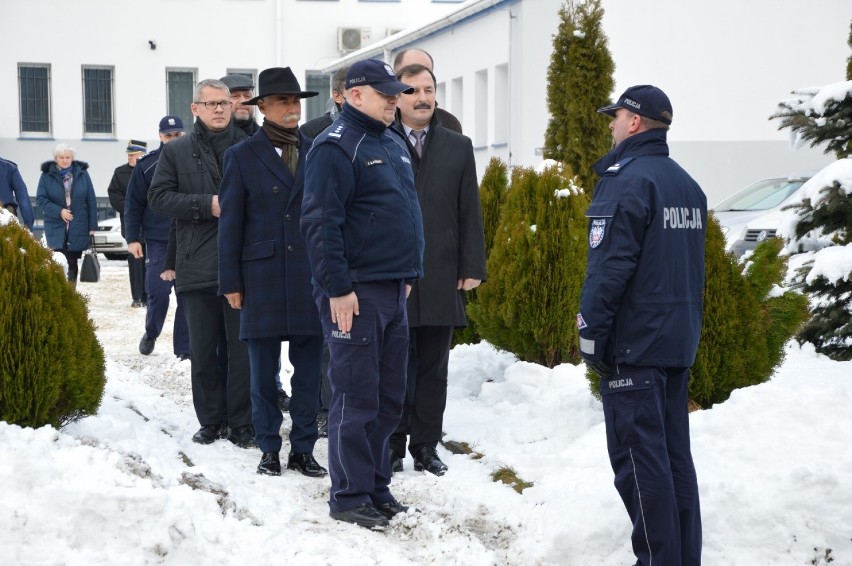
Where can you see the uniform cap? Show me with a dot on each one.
(645, 100)
(378, 75)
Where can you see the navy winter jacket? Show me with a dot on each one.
(50, 197)
(360, 214)
(642, 301)
(140, 220)
(13, 192)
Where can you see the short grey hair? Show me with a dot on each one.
(338, 80)
(64, 148)
(211, 83)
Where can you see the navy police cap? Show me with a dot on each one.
(378, 75)
(645, 100)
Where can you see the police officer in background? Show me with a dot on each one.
(640, 320)
(144, 226)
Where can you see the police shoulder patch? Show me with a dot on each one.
(618, 167)
(597, 232)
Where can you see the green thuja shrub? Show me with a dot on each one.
(535, 269)
(51, 364)
(492, 191)
(745, 324)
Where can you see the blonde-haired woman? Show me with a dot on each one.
(66, 197)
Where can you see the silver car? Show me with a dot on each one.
(108, 239)
(741, 215)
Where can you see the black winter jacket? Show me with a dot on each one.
(186, 178)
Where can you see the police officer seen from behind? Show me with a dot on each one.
(639, 322)
(264, 271)
(361, 220)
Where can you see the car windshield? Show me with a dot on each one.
(762, 195)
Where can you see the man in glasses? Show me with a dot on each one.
(144, 226)
(185, 187)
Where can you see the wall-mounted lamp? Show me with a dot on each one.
(152, 43)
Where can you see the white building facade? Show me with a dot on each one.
(724, 64)
(95, 73)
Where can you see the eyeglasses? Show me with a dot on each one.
(211, 105)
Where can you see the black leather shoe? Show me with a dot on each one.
(207, 434)
(365, 515)
(269, 464)
(136, 304)
(426, 458)
(224, 431)
(306, 464)
(243, 436)
(182, 357)
(146, 345)
(391, 508)
(283, 401)
(395, 462)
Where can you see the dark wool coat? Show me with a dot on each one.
(117, 192)
(445, 179)
(50, 197)
(261, 252)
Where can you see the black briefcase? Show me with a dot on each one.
(90, 271)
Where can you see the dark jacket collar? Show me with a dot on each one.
(355, 116)
(650, 142)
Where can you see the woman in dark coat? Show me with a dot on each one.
(66, 197)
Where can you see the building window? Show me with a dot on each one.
(457, 98)
(98, 118)
(34, 98)
(501, 103)
(180, 85)
(480, 93)
(316, 106)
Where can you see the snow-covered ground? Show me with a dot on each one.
(129, 487)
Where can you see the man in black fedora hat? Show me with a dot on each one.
(264, 271)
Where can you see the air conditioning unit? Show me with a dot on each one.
(392, 31)
(352, 39)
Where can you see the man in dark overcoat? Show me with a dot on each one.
(454, 262)
(264, 270)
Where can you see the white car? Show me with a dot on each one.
(108, 239)
(747, 217)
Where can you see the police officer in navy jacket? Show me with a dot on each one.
(640, 320)
(361, 220)
(144, 226)
(264, 271)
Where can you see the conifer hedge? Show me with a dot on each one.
(51, 364)
(492, 192)
(536, 266)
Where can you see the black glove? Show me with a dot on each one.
(601, 368)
